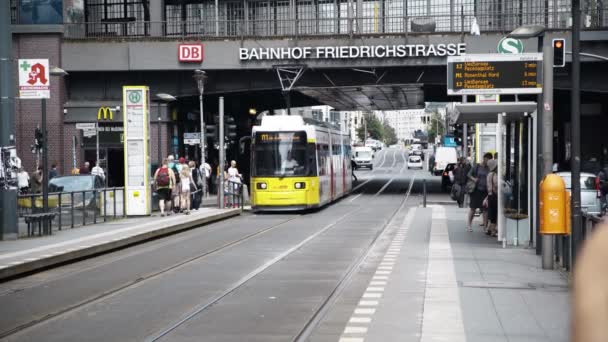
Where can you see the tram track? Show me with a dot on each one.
(327, 304)
(238, 284)
(159, 273)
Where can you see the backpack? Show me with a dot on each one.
(163, 178)
(175, 172)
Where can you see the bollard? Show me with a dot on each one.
(424, 193)
(553, 220)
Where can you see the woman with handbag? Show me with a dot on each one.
(477, 186)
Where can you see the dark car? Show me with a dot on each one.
(418, 153)
(446, 182)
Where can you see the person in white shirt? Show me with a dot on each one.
(206, 171)
(23, 181)
(98, 171)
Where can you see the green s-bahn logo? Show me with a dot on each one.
(510, 45)
(135, 96)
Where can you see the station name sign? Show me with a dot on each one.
(352, 52)
(495, 74)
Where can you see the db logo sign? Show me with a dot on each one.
(190, 53)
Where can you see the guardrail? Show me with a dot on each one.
(458, 20)
(233, 195)
(77, 208)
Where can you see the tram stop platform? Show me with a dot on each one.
(24, 256)
(434, 281)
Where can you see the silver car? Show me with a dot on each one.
(590, 202)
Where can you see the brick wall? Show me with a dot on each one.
(28, 112)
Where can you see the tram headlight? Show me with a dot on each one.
(261, 186)
(300, 185)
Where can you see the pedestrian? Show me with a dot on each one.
(353, 166)
(98, 171)
(492, 198)
(205, 170)
(176, 189)
(186, 182)
(85, 169)
(233, 184)
(164, 180)
(36, 184)
(432, 164)
(23, 181)
(53, 172)
(198, 181)
(460, 180)
(478, 178)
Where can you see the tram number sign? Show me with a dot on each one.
(495, 74)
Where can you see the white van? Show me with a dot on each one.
(363, 157)
(443, 157)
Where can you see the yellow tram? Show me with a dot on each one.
(298, 164)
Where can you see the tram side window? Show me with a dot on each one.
(323, 153)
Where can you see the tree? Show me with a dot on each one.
(390, 136)
(435, 127)
(374, 128)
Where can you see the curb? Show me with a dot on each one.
(29, 266)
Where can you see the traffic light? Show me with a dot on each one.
(559, 52)
(211, 132)
(38, 138)
(230, 127)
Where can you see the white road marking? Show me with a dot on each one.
(362, 184)
(388, 268)
(354, 198)
(351, 339)
(372, 295)
(377, 283)
(360, 320)
(368, 303)
(380, 277)
(355, 330)
(383, 272)
(365, 311)
(375, 289)
(384, 187)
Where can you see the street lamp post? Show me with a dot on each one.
(162, 97)
(200, 76)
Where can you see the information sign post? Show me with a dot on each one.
(136, 104)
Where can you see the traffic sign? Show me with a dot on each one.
(34, 79)
(510, 45)
(85, 125)
(193, 138)
(495, 74)
(87, 133)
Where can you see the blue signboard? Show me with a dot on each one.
(449, 142)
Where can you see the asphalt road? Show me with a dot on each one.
(264, 277)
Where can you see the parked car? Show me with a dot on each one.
(590, 201)
(414, 162)
(446, 178)
(77, 184)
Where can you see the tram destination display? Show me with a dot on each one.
(495, 74)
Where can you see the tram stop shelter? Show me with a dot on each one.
(516, 144)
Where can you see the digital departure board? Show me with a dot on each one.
(495, 74)
(279, 137)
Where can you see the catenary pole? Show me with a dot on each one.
(220, 190)
(547, 145)
(575, 160)
(8, 197)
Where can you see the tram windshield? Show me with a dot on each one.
(281, 154)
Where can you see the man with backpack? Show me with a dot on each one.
(164, 180)
(460, 180)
